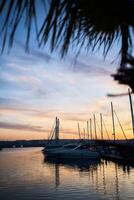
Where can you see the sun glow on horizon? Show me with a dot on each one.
(34, 91)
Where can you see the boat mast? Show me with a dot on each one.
(131, 107)
(104, 125)
(91, 128)
(57, 129)
(101, 126)
(79, 131)
(87, 130)
(113, 120)
(84, 133)
(95, 128)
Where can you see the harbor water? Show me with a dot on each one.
(26, 175)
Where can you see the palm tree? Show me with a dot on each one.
(85, 23)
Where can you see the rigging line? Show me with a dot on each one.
(52, 135)
(54, 129)
(105, 129)
(62, 130)
(98, 126)
(120, 125)
(52, 132)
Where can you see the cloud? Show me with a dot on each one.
(14, 105)
(91, 68)
(34, 54)
(69, 132)
(21, 127)
(12, 110)
(76, 116)
(46, 114)
(8, 101)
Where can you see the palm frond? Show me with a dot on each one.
(12, 13)
(94, 23)
(82, 23)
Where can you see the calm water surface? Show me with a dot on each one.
(25, 175)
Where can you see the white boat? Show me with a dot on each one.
(51, 147)
(72, 151)
(54, 142)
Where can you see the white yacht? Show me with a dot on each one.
(54, 142)
(52, 149)
(72, 151)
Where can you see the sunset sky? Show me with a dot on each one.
(37, 87)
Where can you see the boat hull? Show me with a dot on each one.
(73, 155)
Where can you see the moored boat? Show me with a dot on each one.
(54, 149)
(48, 150)
(121, 152)
(53, 141)
(51, 147)
(80, 151)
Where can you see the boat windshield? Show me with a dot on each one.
(70, 146)
(83, 147)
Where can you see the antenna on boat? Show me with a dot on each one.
(95, 127)
(113, 120)
(79, 131)
(131, 107)
(57, 129)
(101, 126)
(91, 128)
(88, 130)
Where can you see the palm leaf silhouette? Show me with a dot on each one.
(83, 23)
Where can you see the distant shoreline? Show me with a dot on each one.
(36, 143)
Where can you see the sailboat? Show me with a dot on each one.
(123, 151)
(79, 152)
(53, 140)
(68, 151)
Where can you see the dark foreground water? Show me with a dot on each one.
(25, 175)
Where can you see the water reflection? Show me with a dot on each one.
(104, 175)
(26, 174)
(79, 164)
(57, 175)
